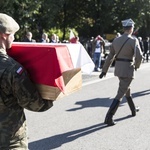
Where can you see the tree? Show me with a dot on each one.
(88, 17)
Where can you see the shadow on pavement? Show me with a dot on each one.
(104, 102)
(141, 93)
(97, 102)
(60, 139)
(123, 118)
(57, 140)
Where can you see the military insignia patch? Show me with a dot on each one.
(20, 71)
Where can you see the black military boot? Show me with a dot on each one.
(132, 106)
(113, 108)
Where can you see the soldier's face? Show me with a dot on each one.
(9, 40)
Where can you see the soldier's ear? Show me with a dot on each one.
(3, 36)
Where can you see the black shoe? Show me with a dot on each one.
(136, 110)
(132, 106)
(109, 121)
(113, 108)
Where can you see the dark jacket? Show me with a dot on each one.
(16, 93)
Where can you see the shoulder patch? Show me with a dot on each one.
(20, 70)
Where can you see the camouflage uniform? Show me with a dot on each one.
(16, 93)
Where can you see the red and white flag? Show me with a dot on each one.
(72, 38)
(71, 35)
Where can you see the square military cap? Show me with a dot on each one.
(7, 24)
(128, 23)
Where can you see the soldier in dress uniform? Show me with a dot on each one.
(16, 92)
(128, 59)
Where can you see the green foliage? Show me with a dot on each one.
(87, 17)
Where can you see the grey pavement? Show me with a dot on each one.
(94, 75)
(76, 121)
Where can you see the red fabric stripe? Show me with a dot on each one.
(45, 63)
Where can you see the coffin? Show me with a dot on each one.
(50, 67)
(72, 81)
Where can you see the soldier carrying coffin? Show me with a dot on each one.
(16, 92)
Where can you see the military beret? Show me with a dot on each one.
(128, 23)
(7, 24)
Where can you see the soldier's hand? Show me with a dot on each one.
(103, 74)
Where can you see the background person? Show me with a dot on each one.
(28, 37)
(53, 38)
(128, 60)
(16, 92)
(141, 43)
(98, 47)
(44, 38)
(146, 44)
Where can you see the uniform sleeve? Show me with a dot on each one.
(109, 60)
(19, 90)
(138, 54)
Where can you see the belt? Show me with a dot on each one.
(123, 59)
